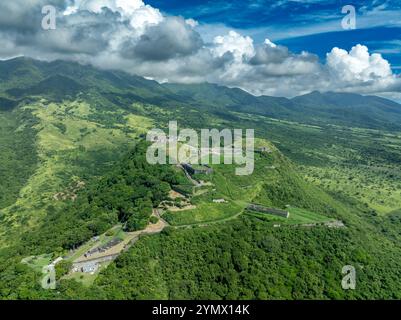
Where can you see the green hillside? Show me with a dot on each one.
(315, 108)
(73, 168)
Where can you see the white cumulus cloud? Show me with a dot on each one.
(358, 68)
(134, 37)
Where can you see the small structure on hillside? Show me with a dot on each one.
(273, 211)
(197, 169)
(103, 248)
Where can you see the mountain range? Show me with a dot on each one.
(24, 77)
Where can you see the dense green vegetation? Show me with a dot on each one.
(63, 125)
(17, 164)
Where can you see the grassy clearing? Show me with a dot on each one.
(205, 212)
(139, 123)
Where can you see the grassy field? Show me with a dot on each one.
(115, 232)
(86, 279)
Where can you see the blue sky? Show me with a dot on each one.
(310, 25)
(279, 48)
